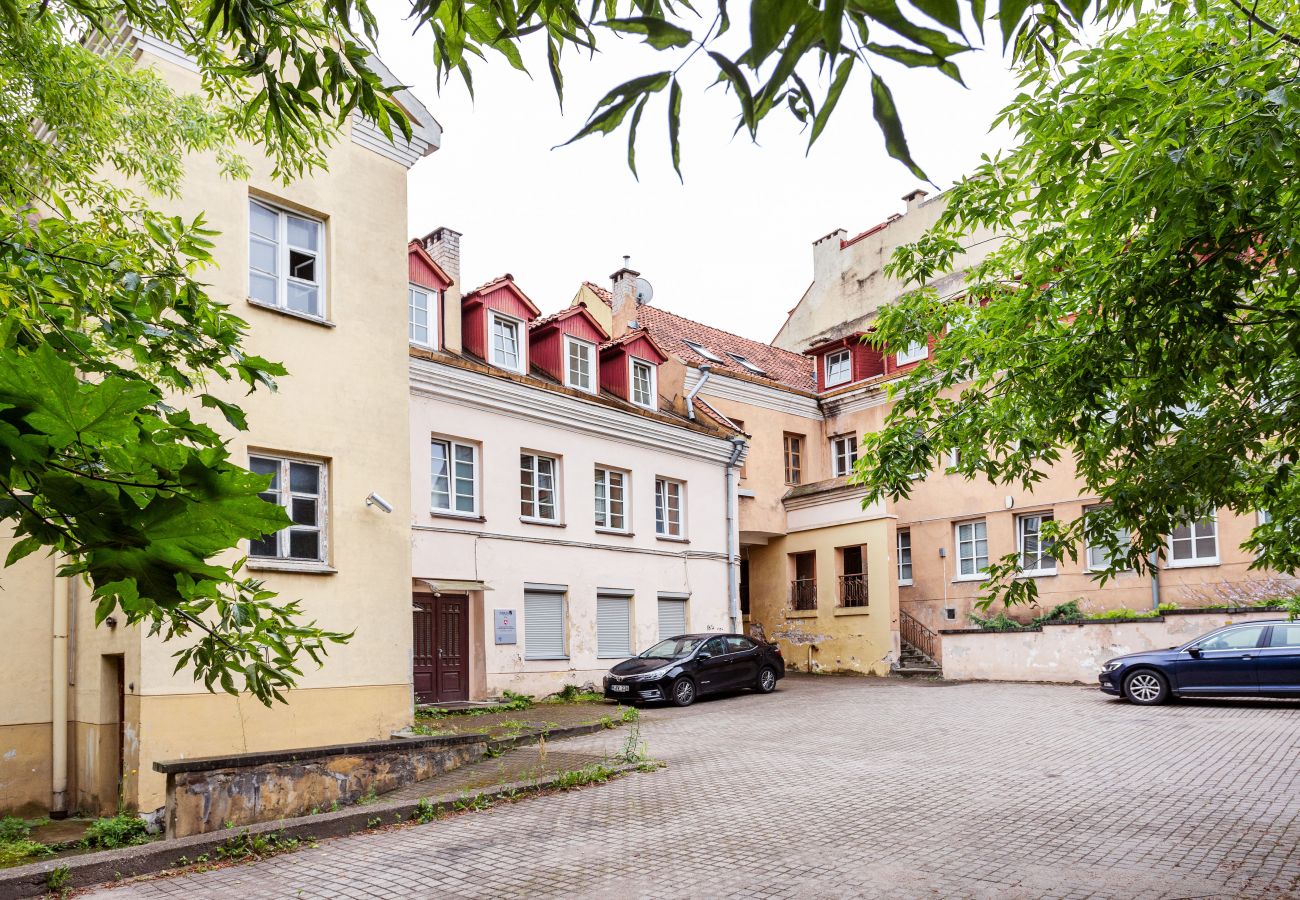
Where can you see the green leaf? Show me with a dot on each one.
(631, 135)
(769, 22)
(614, 106)
(823, 116)
(658, 33)
(886, 115)
(945, 12)
(674, 126)
(1010, 12)
(732, 74)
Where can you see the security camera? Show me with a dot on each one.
(376, 500)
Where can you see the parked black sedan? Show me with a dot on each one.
(1256, 659)
(682, 668)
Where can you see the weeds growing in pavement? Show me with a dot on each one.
(58, 880)
(247, 846)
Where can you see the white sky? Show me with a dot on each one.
(731, 246)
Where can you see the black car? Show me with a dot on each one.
(1257, 659)
(682, 668)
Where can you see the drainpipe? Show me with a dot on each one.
(733, 529)
(705, 372)
(59, 697)
(1155, 580)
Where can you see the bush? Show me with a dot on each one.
(122, 830)
(1000, 622)
(1062, 612)
(13, 829)
(14, 852)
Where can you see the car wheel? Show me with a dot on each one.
(766, 680)
(1146, 687)
(683, 692)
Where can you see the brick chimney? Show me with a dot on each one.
(623, 287)
(443, 245)
(913, 199)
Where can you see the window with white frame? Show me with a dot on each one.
(954, 458)
(844, 453)
(286, 259)
(538, 487)
(579, 364)
(1195, 543)
(1035, 551)
(611, 498)
(701, 350)
(613, 624)
(505, 334)
(837, 367)
(1099, 555)
(643, 386)
(904, 556)
(747, 363)
(422, 315)
(668, 507)
(298, 485)
(912, 353)
(544, 625)
(455, 477)
(972, 549)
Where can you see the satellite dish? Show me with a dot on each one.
(644, 292)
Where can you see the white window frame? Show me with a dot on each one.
(1194, 536)
(282, 277)
(954, 458)
(838, 455)
(453, 492)
(603, 483)
(746, 363)
(431, 307)
(787, 455)
(663, 508)
(521, 341)
(1100, 564)
(903, 547)
(284, 498)
(632, 363)
(701, 350)
(832, 381)
(1043, 554)
(593, 379)
(973, 541)
(912, 353)
(537, 514)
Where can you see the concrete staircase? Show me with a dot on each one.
(913, 662)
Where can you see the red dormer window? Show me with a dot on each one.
(425, 289)
(565, 345)
(494, 321)
(629, 368)
(845, 361)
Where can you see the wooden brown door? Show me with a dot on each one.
(440, 662)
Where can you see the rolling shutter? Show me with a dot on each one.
(543, 625)
(613, 627)
(672, 618)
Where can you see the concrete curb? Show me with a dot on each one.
(91, 869)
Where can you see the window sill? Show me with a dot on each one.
(421, 345)
(852, 610)
(617, 532)
(902, 583)
(292, 313)
(1193, 564)
(462, 517)
(529, 520)
(801, 614)
(960, 578)
(628, 655)
(546, 658)
(288, 565)
(1037, 573)
(671, 539)
(582, 390)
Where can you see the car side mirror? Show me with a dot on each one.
(1194, 652)
(703, 656)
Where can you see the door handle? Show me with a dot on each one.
(1247, 656)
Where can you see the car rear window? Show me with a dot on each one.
(1285, 635)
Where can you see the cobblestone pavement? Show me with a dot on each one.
(838, 787)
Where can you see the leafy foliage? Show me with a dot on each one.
(122, 830)
(1137, 323)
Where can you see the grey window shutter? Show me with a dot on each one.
(672, 618)
(543, 625)
(613, 627)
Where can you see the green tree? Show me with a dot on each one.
(1139, 317)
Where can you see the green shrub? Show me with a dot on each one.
(122, 830)
(13, 829)
(1167, 606)
(14, 852)
(999, 622)
(571, 693)
(1123, 614)
(1062, 612)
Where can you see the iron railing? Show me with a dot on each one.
(803, 593)
(914, 632)
(853, 590)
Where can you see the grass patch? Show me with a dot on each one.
(510, 701)
(246, 846)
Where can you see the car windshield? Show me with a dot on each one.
(673, 648)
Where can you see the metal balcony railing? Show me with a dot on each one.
(803, 593)
(853, 590)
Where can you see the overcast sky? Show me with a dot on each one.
(731, 246)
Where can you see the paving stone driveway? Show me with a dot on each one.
(838, 787)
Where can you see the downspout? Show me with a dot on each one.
(705, 372)
(1155, 580)
(733, 529)
(59, 697)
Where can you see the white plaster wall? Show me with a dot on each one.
(1065, 653)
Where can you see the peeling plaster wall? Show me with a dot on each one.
(1065, 653)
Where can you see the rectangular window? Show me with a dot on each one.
(611, 499)
(286, 259)
(912, 353)
(972, 549)
(1195, 543)
(538, 487)
(643, 384)
(580, 364)
(1098, 556)
(838, 367)
(613, 626)
(672, 617)
(422, 314)
(544, 624)
(1035, 553)
(506, 350)
(298, 486)
(668, 507)
(844, 453)
(793, 458)
(455, 477)
(904, 556)
(853, 576)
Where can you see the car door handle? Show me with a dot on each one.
(1247, 656)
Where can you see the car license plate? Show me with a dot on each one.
(619, 687)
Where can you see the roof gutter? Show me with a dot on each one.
(705, 372)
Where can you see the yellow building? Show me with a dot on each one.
(86, 711)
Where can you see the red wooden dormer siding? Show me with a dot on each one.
(501, 294)
(891, 360)
(865, 360)
(422, 270)
(615, 360)
(546, 339)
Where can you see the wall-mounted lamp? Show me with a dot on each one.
(376, 500)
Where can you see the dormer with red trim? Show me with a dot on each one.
(629, 368)
(846, 361)
(566, 346)
(427, 284)
(494, 324)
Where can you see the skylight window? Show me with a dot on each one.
(747, 364)
(702, 350)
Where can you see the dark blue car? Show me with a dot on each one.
(1256, 659)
